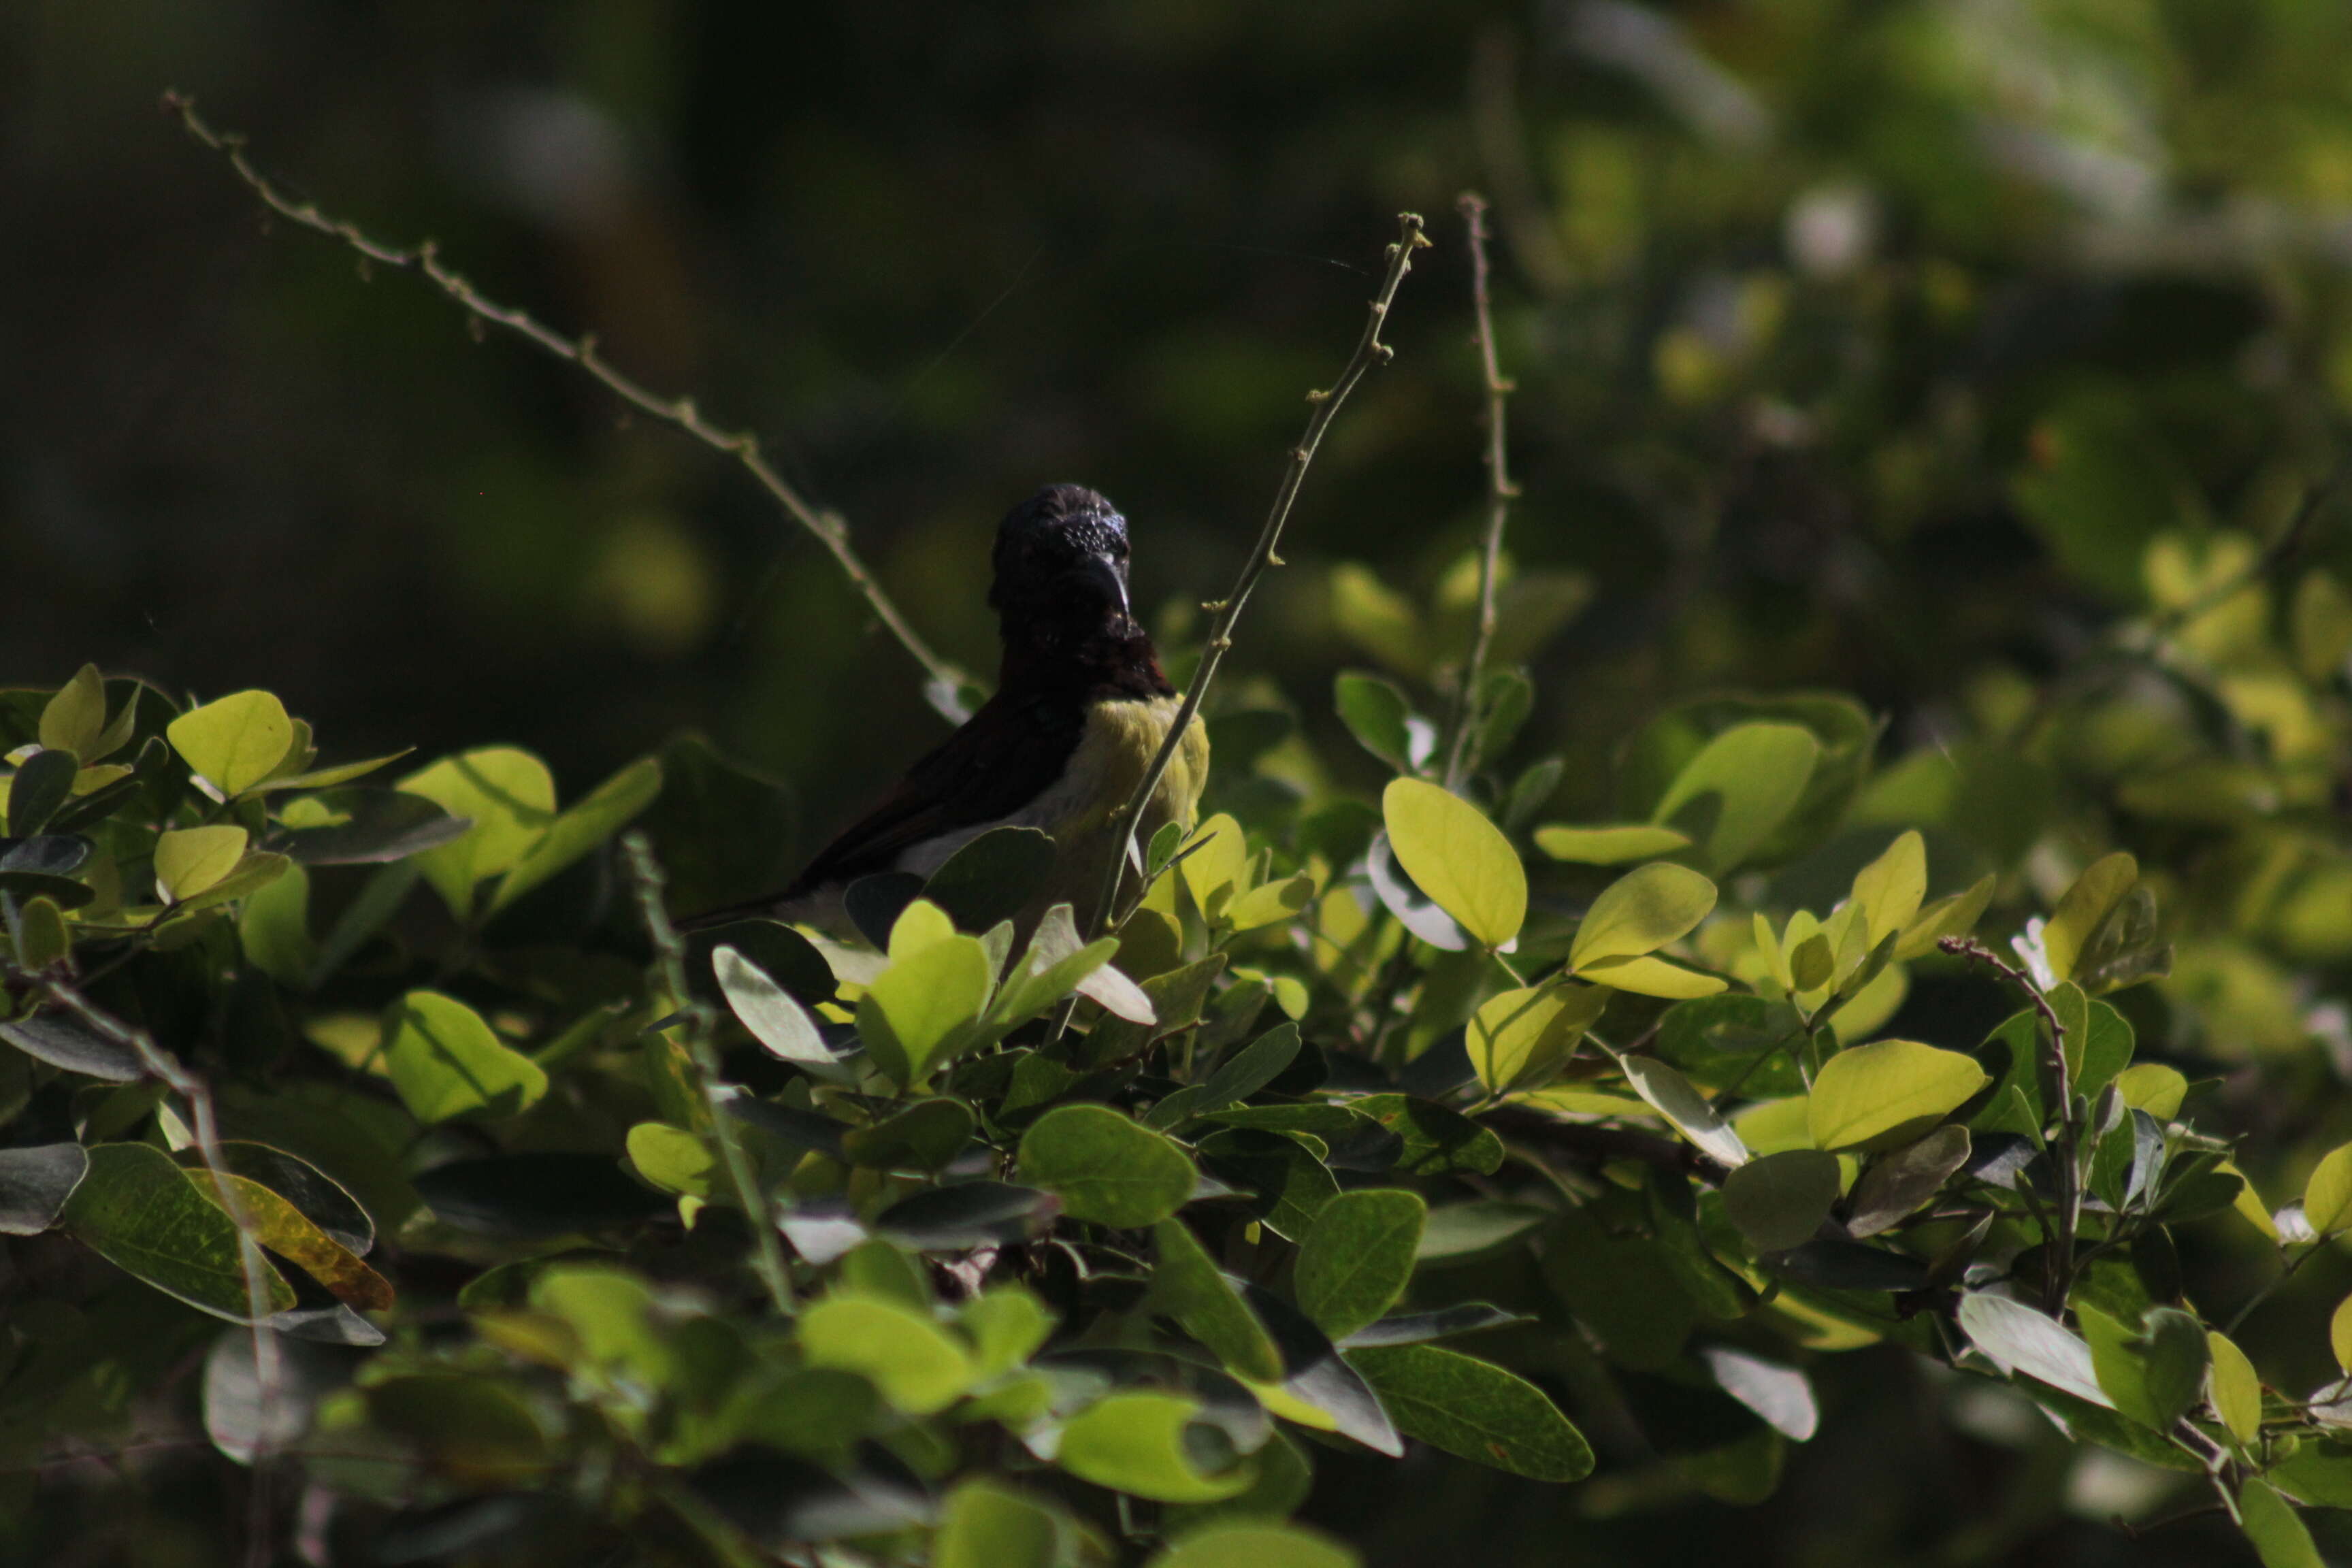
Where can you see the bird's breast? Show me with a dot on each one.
(1120, 738)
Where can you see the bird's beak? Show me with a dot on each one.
(1102, 577)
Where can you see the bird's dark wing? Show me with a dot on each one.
(1006, 756)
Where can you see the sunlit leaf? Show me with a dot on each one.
(190, 859)
(1609, 845)
(581, 828)
(510, 797)
(143, 1213)
(235, 741)
(1458, 857)
(446, 1062)
(1893, 1086)
(1134, 1442)
(1640, 913)
(918, 1366)
(1738, 788)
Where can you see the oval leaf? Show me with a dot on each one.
(446, 1062)
(1475, 1410)
(1640, 913)
(1357, 1257)
(1892, 1087)
(139, 1212)
(1458, 857)
(1134, 1442)
(1778, 1201)
(1105, 1167)
(190, 859)
(235, 741)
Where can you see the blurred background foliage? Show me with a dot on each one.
(1894, 346)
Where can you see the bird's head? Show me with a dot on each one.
(1061, 571)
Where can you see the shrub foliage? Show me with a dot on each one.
(1375, 1123)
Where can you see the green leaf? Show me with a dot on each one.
(1358, 1257)
(2339, 1333)
(35, 1184)
(1740, 787)
(912, 1008)
(2095, 894)
(1458, 857)
(446, 1062)
(774, 1016)
(235, 742)
(2154, 1087)
(2280, 1537)
(2018, 1339)
(273, 929)
(1105, 1168)
(140, 1212)
(1475, 1410)
(924, 1136)
(1053, 967)
(1378, 619)
(1676, 1098)
(1289, 1185)
(1437, 1138)
(42, 782)
(1893, 1091)
(673, 1159)
(992, 877)
(2232, 1386)
(190, 859)
(2328, 1194)
(2153, 1373)
(584, 824)
(1188, 1286)
(1777, 1201)
(984, 1525)
(1890, 887)
(74, 719)
(1255, 1545)
(1249, 1069)
(1640, 913)
(1377, 715)
(1520, 1038)
(1134, 1442)
(1006, 1325)
(1611, 845)
(1649, 976)
(1269, 903)
(1955, 914)
(1899, 1180)
(918, 1366)
(278, 1225)
(510, 797)
(1216, 869)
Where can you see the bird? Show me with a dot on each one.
(1081, 707)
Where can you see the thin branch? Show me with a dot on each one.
(167, 1069)
(1369, 351)
(2058, 1282)
(1499, 491)
(669, 955)
(679, 413)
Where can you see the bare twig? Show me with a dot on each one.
(2058, 1278)
(679, 413)
(669, 955)
(168, 1070)
(1499, 491)
(1369, 351)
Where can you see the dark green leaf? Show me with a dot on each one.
(924, 1136)
(537, 1195)
(1899, 1180)
(1476, 1410)
(35, 1184)
(1251, 1068)
(990, 879)
(1436, 1139)
(971, 1214)
(139, 1212)
(1377, 714)
(42, 782)
(64, 1041)
(1106, 1168)
(1357, 1258)
(360, 826)
(1416, 1327)
(1779, 1200)
(1188, 1286)
(1289, 1185)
